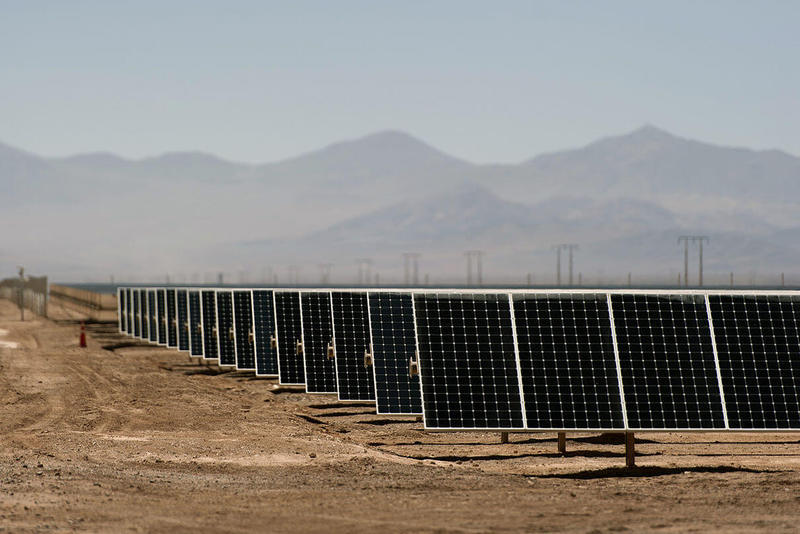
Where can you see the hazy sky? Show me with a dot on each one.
(487, 81)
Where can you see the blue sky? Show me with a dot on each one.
(485, 81)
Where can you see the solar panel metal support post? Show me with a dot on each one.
(503, 437)
(562, 442)
(630, 450)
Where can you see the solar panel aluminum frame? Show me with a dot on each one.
(120, 310)
(196, 348)
(277, 331)
(339, 388)
(171, 299)
(783, 293)
(129, 310)
(305, 351)
(220, 334)
(256, 344)
(250, 332)
(378, 409)
(161, 317)
(182, 327)
(421, 368)
(152, 314)
(144, 316)
(137, 313)
(655, 292)
(208, 337)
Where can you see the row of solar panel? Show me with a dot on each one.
(322, 340)
(554, 361)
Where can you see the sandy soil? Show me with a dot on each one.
(124, 437)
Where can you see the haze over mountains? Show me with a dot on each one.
(623, 200)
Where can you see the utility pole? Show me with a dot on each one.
(293, 271)
(411, 268)
(478, 256)
(558, 264)
(325, 273)
(685, 239)
(699, 239)
(364, 270)
(570, 247)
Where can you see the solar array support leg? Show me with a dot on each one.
(503, 437)
(630, 452)
(562, 442)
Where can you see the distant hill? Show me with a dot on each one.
(623, 199)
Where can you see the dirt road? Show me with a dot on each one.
(124, 437)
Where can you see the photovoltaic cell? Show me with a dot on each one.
(225, 333)
(567, 361)
(467, 361)
(182, 299)
(172, 318)
(195, 325)
(152, 326)
(243, 328)
(320, 371)
(264, 324)
(667, 361)
(393, 347)
(289, 336)
(758, 346)
(161, 314)
(144, 327)
(209, 311)
(351, 340)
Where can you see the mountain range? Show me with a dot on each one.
(624, 200)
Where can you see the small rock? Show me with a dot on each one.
(312, 455)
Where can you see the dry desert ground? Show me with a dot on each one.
(126, 437)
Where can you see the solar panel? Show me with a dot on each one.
(567, 361)
(121, 319)
(144, 312)
(195, 324)
(243, 330)
(225, 334)
(161, 311)
(172, 318)
(264, 327)
(209, 313)
(351, 341)
(758, 345)
(317, 337)
(467, 361)
(667, 362)
(182, 301)
(151, 316)
(137, 316)
(129, 310)
(289, 335)
(394, 345)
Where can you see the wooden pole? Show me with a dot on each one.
(562, 442)
(630, 452)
